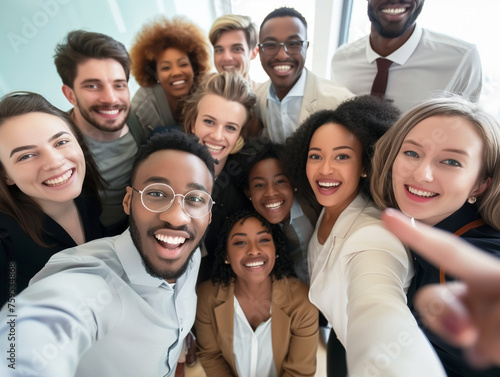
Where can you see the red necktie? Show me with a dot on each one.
(380, 82)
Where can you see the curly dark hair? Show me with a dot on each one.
(254, 151)
(223, 273)
(367, 117)
(161, 34)
(176, 140)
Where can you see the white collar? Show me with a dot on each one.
(402, 54)
(297, 90)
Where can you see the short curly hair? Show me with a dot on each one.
(367, 117)
(223, 273)
(161, 34)
(175, 140)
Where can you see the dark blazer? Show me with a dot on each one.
(22, 257)
(294, 329)
(483, 237)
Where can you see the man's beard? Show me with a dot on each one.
(150, 268)
(104, 128)
(390, 34)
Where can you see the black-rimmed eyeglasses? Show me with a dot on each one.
(159, 197)
(272, 48)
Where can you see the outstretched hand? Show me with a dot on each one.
(467, 313)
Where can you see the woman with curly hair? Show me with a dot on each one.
(254, 318)
(359, 271)
(440, 164)
(168, 59)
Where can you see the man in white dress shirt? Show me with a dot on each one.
(424, 63)
(121, 306)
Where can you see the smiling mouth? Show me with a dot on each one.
(393, 11)
(282, 67)
(108, 112)
(274, 205)
(214, 148)
(178, 82)
(254, 264)
(328, 185)
(169, 242)
(62, 179)
(423, 194)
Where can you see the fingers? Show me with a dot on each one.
(444, 313)
(441, 248)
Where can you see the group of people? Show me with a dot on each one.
(279, 226)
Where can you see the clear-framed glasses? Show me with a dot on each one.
(271, 48)
(159, 197)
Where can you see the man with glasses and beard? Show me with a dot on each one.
(95, 70)
(421, 62)
(122, 306)
(293, 92)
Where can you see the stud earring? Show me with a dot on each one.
(472, 200)
(363, 175)
(226, 262)
(295, 189)
(250, 199)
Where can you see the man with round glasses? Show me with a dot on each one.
(122, 306)
(293, 92)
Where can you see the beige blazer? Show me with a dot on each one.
(319, 94)
(294, 328)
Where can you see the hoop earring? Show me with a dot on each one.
(239, 144)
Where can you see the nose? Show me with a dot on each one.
(423, 172)
(108, 94)
(282, 53)
(217, 133)
(175, 70)
(227, 55)
(53, 159)
(253, 248)
(326, 167)
(175, 215)
(270, 190)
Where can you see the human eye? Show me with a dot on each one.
(281, 181)
(26, 156)
(239, 242)
(314, 156)
(218, 50)
(196, 198)
(270, 46)
(452, 162)
(165, 68)
(343, 157)
(259, 185)
(238, 49)
(293, 44)
(121, 86)
(92, 86)
(411, 154)
(231, 128)
(61, 142)
(209, 122)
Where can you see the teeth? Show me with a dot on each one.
(229, 67)
(273, 205)
(108, 112)
(59, 181)
(282, 68)
(179, 82)
(426, 194)
(215, 148)
(394, 11)
(170, 239)
(254, 264)
(329, 184)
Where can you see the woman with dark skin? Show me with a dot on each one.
(254, 318)
(169, 57)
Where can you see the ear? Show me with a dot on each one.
(255, 51)
(481, 187)
(69, 94)
(247, 193)
(9, 181)
(127, 200)
(210, 217)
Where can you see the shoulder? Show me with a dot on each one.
(440, 40)
(262, 88)
(347, 49)
(328, 89)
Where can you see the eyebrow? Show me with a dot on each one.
(192, 185)
(333, 149)
(452, 150)
(274, 176)
(25, 147)
(245, 234)
(291, 37)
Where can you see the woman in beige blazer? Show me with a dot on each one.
(252, 288)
